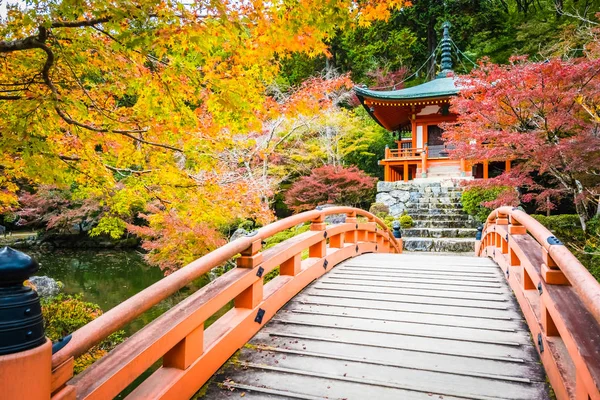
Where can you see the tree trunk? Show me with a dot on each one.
(431, 45)
(580, 206)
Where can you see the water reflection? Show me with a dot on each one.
(107, 278)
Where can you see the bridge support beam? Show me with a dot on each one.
(187, 351)
(250, 297)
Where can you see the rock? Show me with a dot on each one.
(397, 209)
(335, 219)
(401, 195)
(385, 186)
(45, 286)
(386, 199)
(46, 246)
(240, 232)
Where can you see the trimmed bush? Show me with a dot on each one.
(473, 199)
(406, 221)
(379, 209)
(65, 314)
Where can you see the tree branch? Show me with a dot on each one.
(79, 24)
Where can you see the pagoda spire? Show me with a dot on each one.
(446, 52)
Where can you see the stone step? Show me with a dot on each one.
(421, 223)
(430, 206)
(439, 233)
(440, 217)
(437, 200)
(454, 245)
(433, 211)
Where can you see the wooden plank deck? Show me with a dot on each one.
(385, 326)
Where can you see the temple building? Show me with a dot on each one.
(414, 114)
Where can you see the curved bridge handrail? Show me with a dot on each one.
(559, 298)
(114, 319)
(586, 286)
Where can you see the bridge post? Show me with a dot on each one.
(251, 258)
(351, 236)
(25, 353)
(319, 249)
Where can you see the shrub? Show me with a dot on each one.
(331, 185)
(406, 221)
(379, 209)
(473, 200)
(65, 314)
(566, 227)
(584, 245)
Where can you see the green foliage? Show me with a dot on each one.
(379, 209)
(285, 235)
(282, 237)
(65, 314)
(113, 226)
(364, 145)
(567, 227)
(473, 198)
(584, 245)
(406, 221)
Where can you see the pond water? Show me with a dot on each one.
(108, 278)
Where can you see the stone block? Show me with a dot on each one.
(384, 186)
(397, 209)
(386, 198)
(401, 195)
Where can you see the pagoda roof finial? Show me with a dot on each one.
(446, 51)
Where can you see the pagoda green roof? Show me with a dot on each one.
(438, 87)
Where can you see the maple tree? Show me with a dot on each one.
(135, 103)
(530, 112)
(331, 185)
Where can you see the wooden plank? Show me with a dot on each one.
(394, 327)
(419, 299)
(391, 314)
(418, 274)
(397, 356)
(426, 381)
(422, 290)
(417, 281)
(406, 328)
(417, 307)
(430, 345)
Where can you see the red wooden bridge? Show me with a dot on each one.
(348, 317)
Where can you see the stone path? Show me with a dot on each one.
(440, 223)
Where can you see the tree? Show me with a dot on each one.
(330, 185)
(529, 112)
(135, 101)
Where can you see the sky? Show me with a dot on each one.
(3, 6)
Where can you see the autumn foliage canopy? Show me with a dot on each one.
(163, 104)
(538, 115)
(331, 185)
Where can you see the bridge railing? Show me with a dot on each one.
(559, 298)
(189, 353)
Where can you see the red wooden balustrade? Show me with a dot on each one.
(559, 298)
(405, 153)
(191, 354)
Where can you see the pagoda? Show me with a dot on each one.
(415, 115)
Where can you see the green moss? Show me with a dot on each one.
(285, 235)
(406, 221)
(65, 314)
(584, 245)
(473, 198)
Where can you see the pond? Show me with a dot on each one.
(108, 278)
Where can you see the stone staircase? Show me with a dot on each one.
(440, 224)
